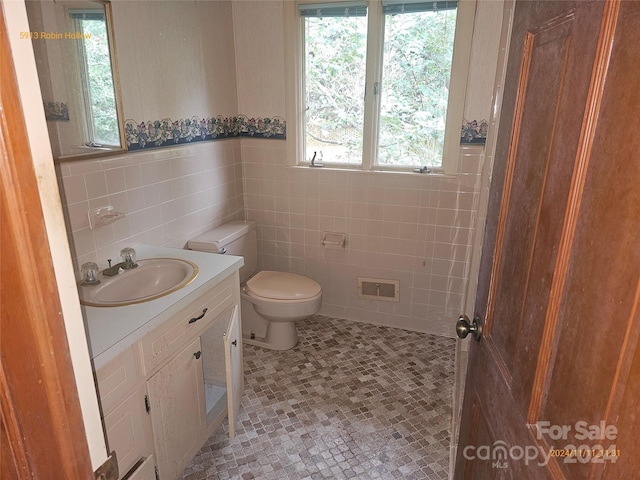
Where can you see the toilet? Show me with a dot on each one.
(271, 301)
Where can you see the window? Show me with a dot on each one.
(335, 42)
(96, 78)
(379, 82)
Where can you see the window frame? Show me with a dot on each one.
(295, 87)
(76, 16)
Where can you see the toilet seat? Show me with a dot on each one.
(282, 286)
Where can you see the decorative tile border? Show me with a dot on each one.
(56, 111)
(474, 132)
(166, 132)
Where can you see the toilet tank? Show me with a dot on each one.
(234, 238)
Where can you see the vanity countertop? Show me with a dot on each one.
(111, 330)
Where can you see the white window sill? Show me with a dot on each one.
(355, 169)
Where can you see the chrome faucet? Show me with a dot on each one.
(317, 163)
(128, 262)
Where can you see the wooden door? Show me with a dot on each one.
(178, 416)
(234, 369)
(553, 383)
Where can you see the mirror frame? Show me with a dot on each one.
(115, 74)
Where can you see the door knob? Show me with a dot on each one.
(464, 328)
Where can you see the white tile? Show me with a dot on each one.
(74, 189)
(96, 184)
(135, 198)
(122, 228)
(154, 218)
(77, 215)
(138, 222)
(120, 202)
(115, 180)
(104, 236)
(83, 242)
(132, 176)
(149, 173)
(151, 195)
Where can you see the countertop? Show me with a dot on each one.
(111, 330)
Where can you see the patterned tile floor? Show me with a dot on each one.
(351, 400)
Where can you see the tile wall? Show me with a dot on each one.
(417, 229)
(408, 227)
(169, 196)
(414, 228)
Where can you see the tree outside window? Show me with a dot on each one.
(406, 51)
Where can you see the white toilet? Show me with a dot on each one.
(271, 301)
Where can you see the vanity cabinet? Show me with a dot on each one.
(176, 398)
(122, 398)
(165, 396)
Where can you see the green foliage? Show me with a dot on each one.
(417, 57)
(100, 79)
(335, 80)
(415, 87)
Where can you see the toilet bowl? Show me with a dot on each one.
(271, 302)
(279, 299)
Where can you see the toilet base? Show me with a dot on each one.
(274, 335)
(280, 336)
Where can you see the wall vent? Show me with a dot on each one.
(379, 289)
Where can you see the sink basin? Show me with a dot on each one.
(153, 278)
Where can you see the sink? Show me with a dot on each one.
(153, 278)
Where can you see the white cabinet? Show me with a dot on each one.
(145, 471)
(234, 369)
(222, 368)
(128, 432)
(191, 394)
(176, 397)
(122, 398)
(165, 396)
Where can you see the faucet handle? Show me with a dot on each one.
(90, 273)
(128, 255)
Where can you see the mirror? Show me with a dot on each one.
(74, 50)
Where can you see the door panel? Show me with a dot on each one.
(628, 415)
(176, 395)
(560, 275)
(479, 436)
(146, 471)
(543, 75)
(234, 369)
(599, 310)
(127, 431)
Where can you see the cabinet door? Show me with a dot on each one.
(235, 377)
(145, 471)
(176, 397)
(127, 431)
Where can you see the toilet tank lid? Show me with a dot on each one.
(282, 286)
(221, 236)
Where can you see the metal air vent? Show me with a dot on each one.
(379, 289)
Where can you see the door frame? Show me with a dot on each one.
(45, 196)
(462, 346)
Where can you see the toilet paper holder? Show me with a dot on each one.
(335, 240)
